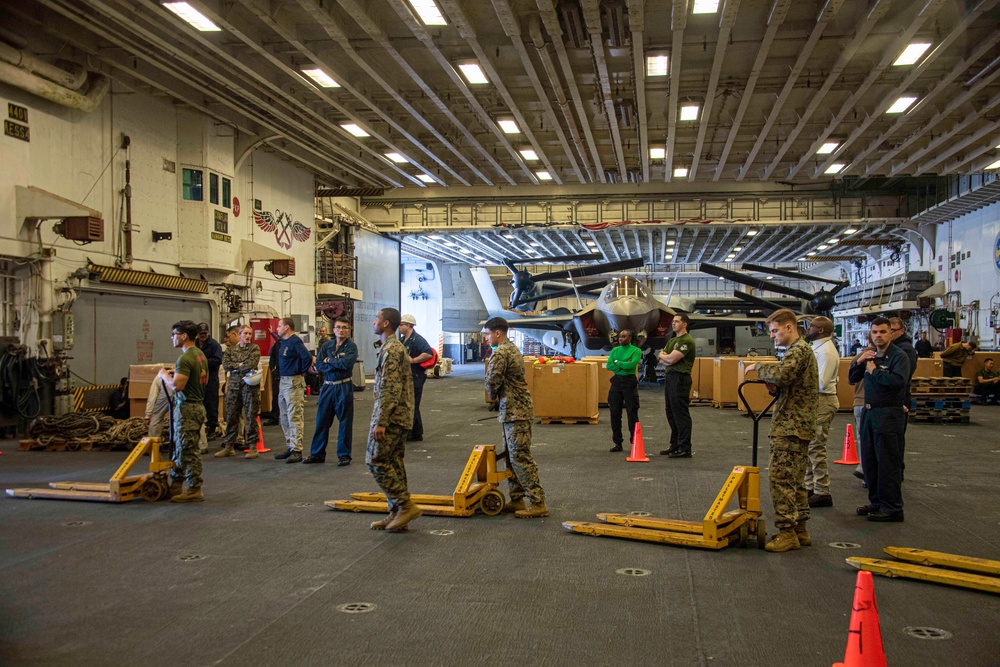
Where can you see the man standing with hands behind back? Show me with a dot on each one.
(623, 361)
(792, 427)
(678, 355)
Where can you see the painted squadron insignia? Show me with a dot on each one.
(285, 229)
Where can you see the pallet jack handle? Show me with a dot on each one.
(755, 416)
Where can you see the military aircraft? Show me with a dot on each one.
(818, 303)
(623, 303)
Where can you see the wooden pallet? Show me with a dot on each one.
(725, 406)
(54, 446)
(940, 391)
(939, 419)
(956, 383)
(569, 420)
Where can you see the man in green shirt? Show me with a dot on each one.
(624, 387)
(988, 382)
(188, 386)
(678, 355)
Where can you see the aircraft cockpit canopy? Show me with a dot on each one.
(627, 286)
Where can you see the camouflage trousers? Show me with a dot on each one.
(787, 477)
(818, 470)
(242, 400)
(524, 481)
(188, 420)
(385, 461)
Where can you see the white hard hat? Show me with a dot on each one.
(253, 378)
(408, 319)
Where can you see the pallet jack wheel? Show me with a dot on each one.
(761, 533)
(492, 503)
(744, 535)
(154, 490)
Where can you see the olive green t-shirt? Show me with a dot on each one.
(194, 365)
(685, 345)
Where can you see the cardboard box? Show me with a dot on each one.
(845, 392)
(603, 377)
(266, 399)
(726, 377)
(932, 368)
(565, 390)
(141, 377)
(137, 407)
(702, 379)
(755, 394)
(529, 360)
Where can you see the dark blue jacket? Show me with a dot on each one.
(336, 363)
(415, 346)
(293, 357)
(213, 353)
(887, 384)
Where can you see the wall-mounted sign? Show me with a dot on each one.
(216, 236)
(17, 131)
(996, 252)
(18, 113)
(257, 205)
(236, 207)
(222, 222)
(284, 228)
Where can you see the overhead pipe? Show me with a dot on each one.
(127, 192)
(67, 78)
(96, 90)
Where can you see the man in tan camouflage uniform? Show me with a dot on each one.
(242, 400)
(505, 383)
(792, 427)
(392, 417)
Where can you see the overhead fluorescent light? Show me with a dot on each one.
(321, 78)
(827, 148)
(473, 72)
(657, 65)
(995, 165)
(810, 253)
(428, 12)
(436, 237)
(465, 251)
(849, 231)
(902, 104)
(529, 154)
(705, 6)
(508, 125)
(834, 168)
(197, 20)
(543, 175)
(689, 112)
(396, 157)
(507, 235)
(355, 130)
(751, 232)
(911, 54)
(451, 244)
(822, 247)
(657, 153)
(671, 242)
(425, 178)
(730, 258)
(592, 244)
(737, 249)
(680, 172)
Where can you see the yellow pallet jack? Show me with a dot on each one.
(151, 486)
(718, 529)
(954, 570)
(476, 489)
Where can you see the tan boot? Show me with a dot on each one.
(380, 524)
(537, 510)
(783, 541)
(224, 452)
(193, 495)
(176, 489)
(802, 534)
(514, 506)
(404, 515)
(251, 453)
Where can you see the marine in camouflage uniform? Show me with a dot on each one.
(792, 427)
(393, 410)
(188, 418)
(505, 383)
(241, 399)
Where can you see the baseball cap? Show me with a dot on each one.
(203, 327)
(408, 319)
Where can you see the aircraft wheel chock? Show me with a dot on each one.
(154, 490)
(761, 534)
(492, 503)
(744, 535)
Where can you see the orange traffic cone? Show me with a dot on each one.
(850, 455)
(260, 439)
(638, 448)
(864, 639)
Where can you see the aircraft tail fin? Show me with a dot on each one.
(487, 291)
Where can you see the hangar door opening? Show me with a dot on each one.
(114, 331)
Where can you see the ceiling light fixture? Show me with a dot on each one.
(198, 20)
(535, 244)
(355, 130)
(529, 154)
(737, 249)
(671, 242)
(428, 12)
(473, 72)
(832, 241)
(425, 178)
(911, 54)
(810, 253)
(751, 232)
(396, 157)
(451, 244)
(822, 247)
(834, 168)
(902, 104)
(465, 251)
(543, 175)
(680, 172)
(508, 125)
(801, 259)
(321, 78)
(657, 153)
(689, 112)
(827, 148)
(657, 64)
(849, 231)
(995, 165)
(705, 6)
